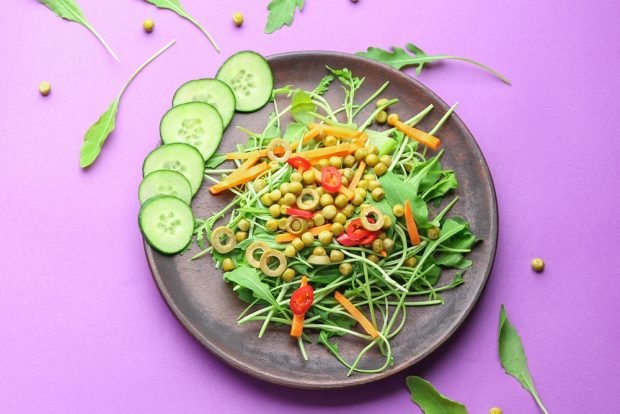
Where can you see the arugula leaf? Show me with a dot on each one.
(440, 188)
(248, 278)
(397, 191)
(301, 105)
(398, 58)
(215, 160)
(69, 10)
(98, 133)
(323, 86)
(281, 12)
(176, 7)
(294, 132)
(512, 356)
(430, 400)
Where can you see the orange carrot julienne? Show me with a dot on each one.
(245, 166)
(357, 315)
(313, 133)
(339, 149)
(287, 237)
(241, 178)
(412, 229)
(297, 326)
(422, 137)
(245, 155)
(358, 176)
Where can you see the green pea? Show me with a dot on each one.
(271, 225)
(275, 195)
(307, 238)
(380, 169)
(289, 199)
(341, 201)
(411, 262)
(387, 222)
(388, 244)
(295, 187)
(373, 258)
(330, 141)
(329, 212)
(298, 244)
(381, 117)
(284, 188)
(228, 264)
(243, 225)
(433, 233)
(282, 223)
(148, 25)
(259, 184)
(349, 210)
(372, 149)
(345, 269)
(288, 275)
(337, 229)
(538, 264)
(374, 184)
(324, 162)
(318, 219)
(326, 200)
(326, 237)
(360, 154)
(369, 177)
(309, 177)
(344, 181)
(377, 194)
(381, 102)
(357, 200)
(335, 162)
(290, 251)
(362, 193)
(238, 19)
(241, 236)
(336, 256)
(362, 184)
(340, 218)
(386, 159)
(266, 200)
(372, 160)
(296, 177)
(274, 210)
(377, 246)
(398, 210)
(349, 161)
(319, 251)
(348, 173)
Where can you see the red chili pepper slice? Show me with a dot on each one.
(299, 213)
(345, 240)
(357, 235)
(302, 299)
(300, 163)
(331, 179)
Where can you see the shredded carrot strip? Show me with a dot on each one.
(357, 315)
(336, 131)
(412, 229)
(241, 178)
(245, 155)
(244, 167)
(313, 133)
(287, 237)
(297, 326)
(422, 137)
(358, 176)
(340, 149)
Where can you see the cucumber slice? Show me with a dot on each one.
(249, 76)
(179, 157)
(167, 223)
(165, 182)
(212, 91)
(195, 123)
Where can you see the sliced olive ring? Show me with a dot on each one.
(275, 254)
(371, 213)
(223, 239)
(308, 204)
(249, 253)
(319, 260)
(296, 225)
(278, 143)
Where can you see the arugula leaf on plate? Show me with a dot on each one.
(512, 356)
(247, 277)
(281, 12)
(430, 400)
(399, 58)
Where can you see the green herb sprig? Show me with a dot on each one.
(399, 58)
(69, 10)
(281, 12)
(98, 133)
(430, 400)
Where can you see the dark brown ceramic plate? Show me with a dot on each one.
(207, 307)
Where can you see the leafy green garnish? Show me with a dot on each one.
(97, 134)
(323, 86)
(69, 10)
(302, 106)
(398, 58)
(512, 356)
(215, 160)
(248, 277)
(281, 12)
(294, 132)
(176, 7)
(430, 400)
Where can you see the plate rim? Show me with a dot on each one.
(365, 378)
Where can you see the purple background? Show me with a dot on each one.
(83, 327)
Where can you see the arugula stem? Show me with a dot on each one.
(98, 36)
(142, 66)
(371, 98)
(202, 29)
(428, 59)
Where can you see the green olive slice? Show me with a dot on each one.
(370, 212)
(311, 204)
(223, 239)
(296, 225)
(249, 253)
(278, 143)
(275, 254)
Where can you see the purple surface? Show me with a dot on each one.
(83, 326)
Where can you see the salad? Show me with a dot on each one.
(339, 223)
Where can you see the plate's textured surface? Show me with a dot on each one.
(208, 308)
